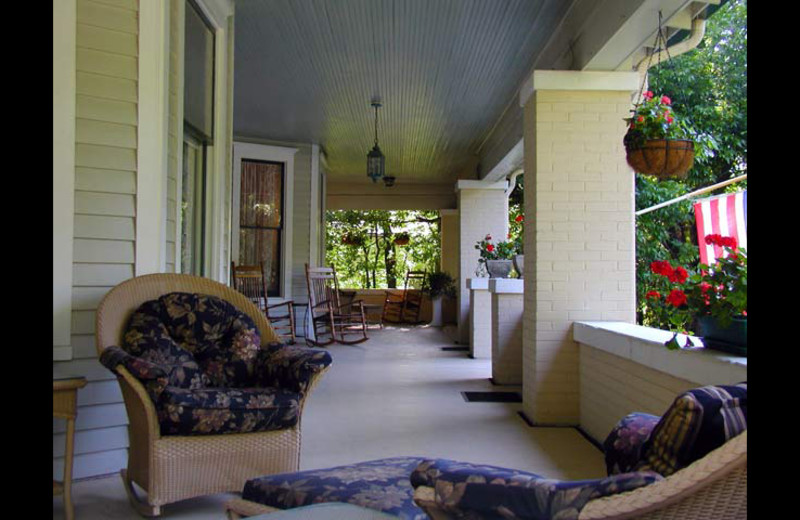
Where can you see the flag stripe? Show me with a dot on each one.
(724, 215)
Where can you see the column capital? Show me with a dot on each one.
(578, 80)
(469, 184)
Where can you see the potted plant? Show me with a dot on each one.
(656, 142)
(353, 239)
(496, 257)
(440, 285)
(519, 244)
(402, 238)
(712, 301)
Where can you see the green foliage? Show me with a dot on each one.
(654, 118)
(708, 87)
(441, 283)
(377, 262)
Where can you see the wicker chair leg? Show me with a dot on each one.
(142, 507)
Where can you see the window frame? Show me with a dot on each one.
(273, 154)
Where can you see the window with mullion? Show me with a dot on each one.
(261, 218)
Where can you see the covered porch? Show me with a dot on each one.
(146, 180)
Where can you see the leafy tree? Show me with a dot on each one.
(708, 87)
(376, 261)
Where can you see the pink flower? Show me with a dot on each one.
(488, 237)
(665, 100)
(648, 95)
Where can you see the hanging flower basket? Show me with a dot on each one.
(402, 239)
(352, 240)
(662, 158)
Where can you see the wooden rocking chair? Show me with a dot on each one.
(333, 321)
(405, 307)
(251, 281)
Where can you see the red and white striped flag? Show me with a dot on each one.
(724, 215)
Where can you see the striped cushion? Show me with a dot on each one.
(698, 422)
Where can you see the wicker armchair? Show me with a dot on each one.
(711, 488)
(172, 467)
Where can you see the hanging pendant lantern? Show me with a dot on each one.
(376, 162)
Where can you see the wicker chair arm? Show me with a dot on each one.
(712, 487)
(143, 418)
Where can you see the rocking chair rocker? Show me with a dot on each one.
(333, 321)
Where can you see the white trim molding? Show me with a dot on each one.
(469, 184)
(577, 80)
(263, 152)
(152, 131)
(64, 88)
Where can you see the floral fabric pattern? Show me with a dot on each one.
(698, 422)
(488, 492)
(382, 485)
(291, 367)
(201, 361)
(226, 410)
(623, 446)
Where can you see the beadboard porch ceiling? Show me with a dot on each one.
(446, 71)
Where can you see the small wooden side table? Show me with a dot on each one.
(65, 406)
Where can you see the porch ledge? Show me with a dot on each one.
(645, 345)
(478, 284)
(506, 285)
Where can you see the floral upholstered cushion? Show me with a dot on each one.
(224, 341)
(154, 377)
(623, 446)
(489, 492)
(381, 484)
(291, 367)
(184, 411)
(698, 422)
(148, 339)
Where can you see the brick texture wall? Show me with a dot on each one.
(579, 238)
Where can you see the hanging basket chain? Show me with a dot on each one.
(659, 45)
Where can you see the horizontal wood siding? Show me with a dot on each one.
(104, 231)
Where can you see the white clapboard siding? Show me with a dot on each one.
(106, 114)
(174, 131)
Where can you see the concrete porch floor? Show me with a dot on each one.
(397, 394)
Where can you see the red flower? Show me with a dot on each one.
(662, 267)
(704, 287)
(665, 100)
(519, 218)
(676, 298)
(652, 295)
(640, 119)
(489, 247)
(670, 119)
(679, 275)
(488, 237)
(648, 95)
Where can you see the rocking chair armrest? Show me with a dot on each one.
(355, 306)
(287, 303)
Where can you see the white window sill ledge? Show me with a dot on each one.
(645, 345)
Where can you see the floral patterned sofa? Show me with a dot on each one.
(689, 463)
(213, 398)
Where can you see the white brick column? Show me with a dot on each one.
(579, 233)
(507, 315)
(483, 209)
(480, 319)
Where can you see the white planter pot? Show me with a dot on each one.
(436, 312)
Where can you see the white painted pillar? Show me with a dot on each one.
(483, 209)
(579, 232)
(506, 316)
(480, 319)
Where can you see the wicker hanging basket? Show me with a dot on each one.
(663, 158)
